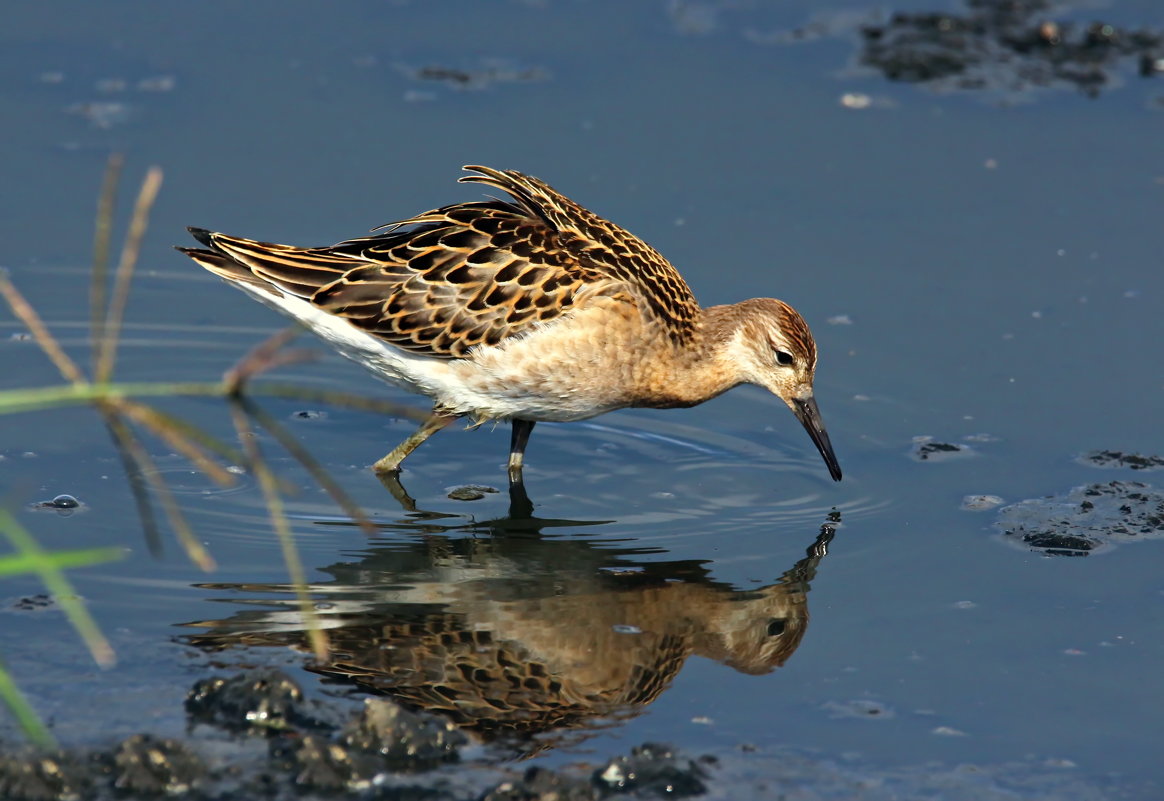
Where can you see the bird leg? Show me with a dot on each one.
(435, 422)
(391, 482)
(517, 443)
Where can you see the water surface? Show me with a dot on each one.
(976, 270)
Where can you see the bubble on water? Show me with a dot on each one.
(64, 502)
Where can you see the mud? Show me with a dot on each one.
(1009, 46)
(1088, 519)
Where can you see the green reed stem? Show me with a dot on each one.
(107, 345)
(270, 488)
(29, 722)
(102, 236)
(60, 587)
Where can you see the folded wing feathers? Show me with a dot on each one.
(465, 275)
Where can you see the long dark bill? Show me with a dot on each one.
(808, 414)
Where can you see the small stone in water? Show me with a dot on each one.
(980, 503)
(470, 492)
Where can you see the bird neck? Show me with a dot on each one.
(702, 368)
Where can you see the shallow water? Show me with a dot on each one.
(980, 268)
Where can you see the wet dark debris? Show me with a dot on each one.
(44, 777)
(405, 740)
(1086, 519)
(34, 603)
(859, 708)
(154, 766)
(140, 766)
(488, 73)
(263, 700)
(385, 751)
(980, 503)
(539, 784)
(470, 492)
(1115, 459)
(654, 770)
(650, 771)
(927, 449)
(1006, 45)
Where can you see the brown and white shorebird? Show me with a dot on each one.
(526, 309)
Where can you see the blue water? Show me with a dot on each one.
(995, 267)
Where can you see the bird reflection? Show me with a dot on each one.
(518, 635)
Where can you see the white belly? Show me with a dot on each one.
(546, 375)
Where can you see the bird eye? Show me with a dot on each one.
(775, 627)
(784, 358)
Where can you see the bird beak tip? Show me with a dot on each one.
(809, 415)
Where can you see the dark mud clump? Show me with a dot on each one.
(141, 766)
(926, 449)
(539, 784)
(264, 699)
(489, 72)
(404, 740)
(1006, 45)
(34, 603)
(268, 741)
(1086, 519)
(384, 738)
(1118, 459)
(386, 752)
(470, 492)
(654, 770)
(650, 771)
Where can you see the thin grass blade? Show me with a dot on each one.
(26, 717)
(258, 359)
(20, 564)
(107, 346)
(60, 587)
(270, 488)
(317, 471)
(182, 436)
(102, 236)
(23, 310)
(142, 465)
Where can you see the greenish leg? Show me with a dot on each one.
(391, 462)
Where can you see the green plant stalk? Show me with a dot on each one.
(30, 723)
(111, 331)
(19, 564)
(26, 400)
(185, 438)
(102, 235)
(301, 454)
(59, 586)
(270, 488)
(140, 457)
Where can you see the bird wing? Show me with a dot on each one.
(470, 274)
(609, 251)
